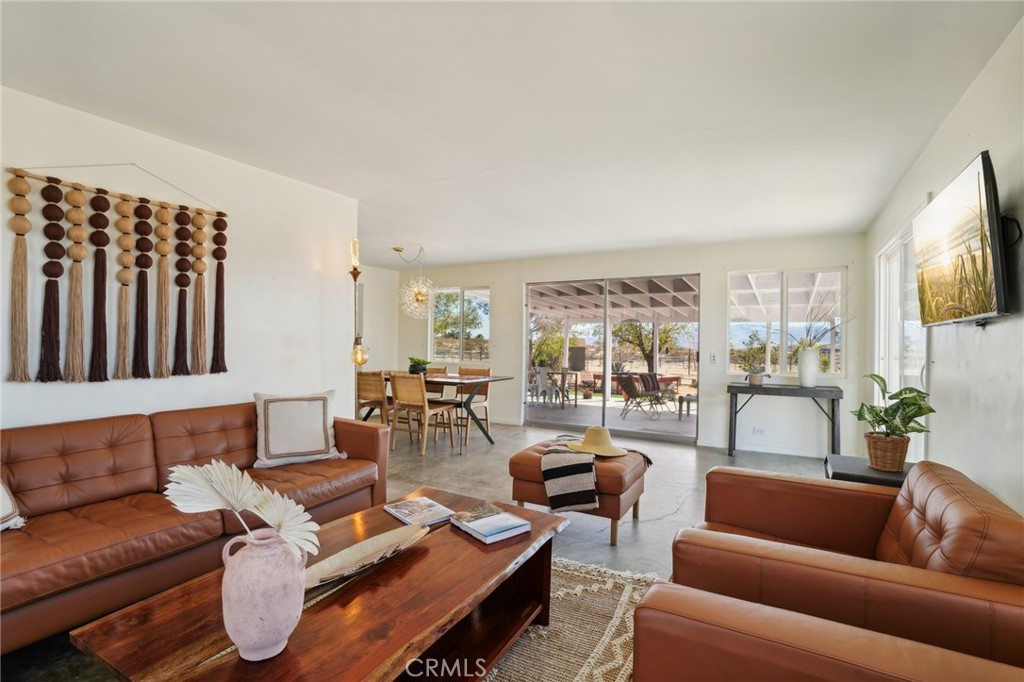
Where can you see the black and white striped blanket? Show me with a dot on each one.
(570, 479)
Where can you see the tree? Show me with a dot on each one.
(446, 315)
(640, 335)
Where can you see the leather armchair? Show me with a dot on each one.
(835, 580)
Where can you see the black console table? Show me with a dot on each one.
(831, 393)
(846, 468)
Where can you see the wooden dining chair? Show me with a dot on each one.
(479, 400)
(371, 392)
(413, 409)
(436, 391)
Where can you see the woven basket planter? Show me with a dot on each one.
(886, 453)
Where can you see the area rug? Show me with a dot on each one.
(590, 634)
(589, 637)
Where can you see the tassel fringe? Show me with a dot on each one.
(163, 285)
(219, 365)
(74, 363)
(140, 352)
(181, 337)
(19, 312)
(98, 357)
(49, 356)
(199, 327)
(123, 362)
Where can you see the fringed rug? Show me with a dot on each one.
(590, 635)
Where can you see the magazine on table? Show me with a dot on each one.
(488, 523)
(420, 511)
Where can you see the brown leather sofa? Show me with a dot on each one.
(100, 535)
(799, 578)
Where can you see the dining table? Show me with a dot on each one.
(470, 386)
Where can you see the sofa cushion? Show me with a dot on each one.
(58, 551)
(294, 429)
(943, 521)
(9, 517)
(310, 484)
(56, 467)
(196, 436)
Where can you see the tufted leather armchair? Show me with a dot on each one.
(798, 577)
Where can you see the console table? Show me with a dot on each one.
(846, 468)
(831, 393)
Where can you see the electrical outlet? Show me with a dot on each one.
(758, 430)
(714, 358)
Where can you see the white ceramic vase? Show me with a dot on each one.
(809, 367)
(262, 593)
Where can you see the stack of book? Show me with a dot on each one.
(488, 523)
(419, 511)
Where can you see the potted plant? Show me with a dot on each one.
(418, 365)
(755, 373)
(891, 423)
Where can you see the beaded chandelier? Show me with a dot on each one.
(417, 294)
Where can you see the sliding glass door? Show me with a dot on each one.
(620, 353)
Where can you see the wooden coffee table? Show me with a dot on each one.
(448, 599)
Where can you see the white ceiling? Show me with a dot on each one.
(488, 131)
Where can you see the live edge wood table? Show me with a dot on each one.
(449, 599)
(831, 393)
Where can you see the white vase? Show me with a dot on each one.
(262, 593)
(809, 367)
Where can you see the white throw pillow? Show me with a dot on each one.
(294, 429)
(9, 509)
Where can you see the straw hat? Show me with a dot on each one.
(598, 441)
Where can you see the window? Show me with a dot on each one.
(775, 315)
(462, 324)
(902, 349)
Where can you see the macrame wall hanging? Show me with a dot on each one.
(66, 237)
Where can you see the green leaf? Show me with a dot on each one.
(880, 382)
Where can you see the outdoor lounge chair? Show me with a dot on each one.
(650, 403)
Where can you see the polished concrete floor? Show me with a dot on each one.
(673, 499)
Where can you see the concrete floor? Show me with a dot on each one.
(673, 497)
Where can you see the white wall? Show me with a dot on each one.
(289, 298)
(380, 318)
(976, 374)
(792, 426)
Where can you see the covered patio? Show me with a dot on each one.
(608, 328)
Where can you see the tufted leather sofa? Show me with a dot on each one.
(791, 577)
(100, 535)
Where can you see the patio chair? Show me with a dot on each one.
(649, 384)
(649, 403)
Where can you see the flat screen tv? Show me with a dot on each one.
(958, 250)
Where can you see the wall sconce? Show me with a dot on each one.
(359, 355)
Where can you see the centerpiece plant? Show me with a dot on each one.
(418, 365)
(217, 485)
(891, 423)
(263, 583)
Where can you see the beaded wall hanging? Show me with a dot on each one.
(65, 240)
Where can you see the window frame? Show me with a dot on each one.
(462, 325)
(783, 343)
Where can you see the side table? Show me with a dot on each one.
(856, 469)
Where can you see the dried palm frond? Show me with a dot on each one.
(213, 486)
(295, 526)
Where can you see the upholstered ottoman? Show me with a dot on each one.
(620, 482)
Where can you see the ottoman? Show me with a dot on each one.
(620, 482)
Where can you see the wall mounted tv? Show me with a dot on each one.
(958, 250)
